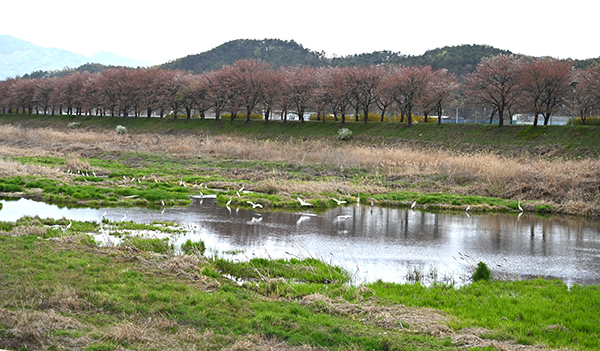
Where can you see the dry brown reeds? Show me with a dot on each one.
(487, 174)
(10, 169)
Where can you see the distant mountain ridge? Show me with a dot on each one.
(19, 57)
(457, 59)
(460, 60)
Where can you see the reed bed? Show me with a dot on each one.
(563, 183)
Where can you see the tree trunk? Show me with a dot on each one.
(500, 116)
(546, 118)
(535, 120)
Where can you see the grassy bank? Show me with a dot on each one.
(281, 162)
(62, 291)
(511, 140)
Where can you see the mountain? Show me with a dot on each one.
(275, 51)
(19, 57)
(457, 59)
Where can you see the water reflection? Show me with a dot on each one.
(378, 243)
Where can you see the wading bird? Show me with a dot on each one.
(414, 204)
(339, 202)
(242, 188)
(254, 205)
(228, 202)
(68, 226)
(467, 209)
(304, 203)
(519, 205)
(124, 216)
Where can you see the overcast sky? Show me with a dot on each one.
(159, 31)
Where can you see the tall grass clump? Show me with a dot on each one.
(482, 272)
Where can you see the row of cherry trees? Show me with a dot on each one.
(506, 83)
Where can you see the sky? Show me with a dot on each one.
(160, 31)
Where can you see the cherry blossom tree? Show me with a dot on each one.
(409, 86)
(497, 81)
(299, 82)
(546, 82)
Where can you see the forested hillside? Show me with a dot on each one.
(460, 60)
(274, 51)
(457, 59)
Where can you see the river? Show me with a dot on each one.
(375, 243)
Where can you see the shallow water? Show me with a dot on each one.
(376, 243)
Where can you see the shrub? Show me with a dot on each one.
(344, 133)
(482, 272)
(121, 129)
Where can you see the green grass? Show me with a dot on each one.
(114, 290)
(112, 287)
(306, 270)
(529, 311)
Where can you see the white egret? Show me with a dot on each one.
(103, 216)
(68, 226)
(238, 193)
(339, 202)
(162, 202)
(242, 188)
(467, 209)
(304, 203)
(414, 204)
(144, 177)
(124, 178)
(124, 216)
(254, 205)
(519, 205)
(228, 202)
(94, 173)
